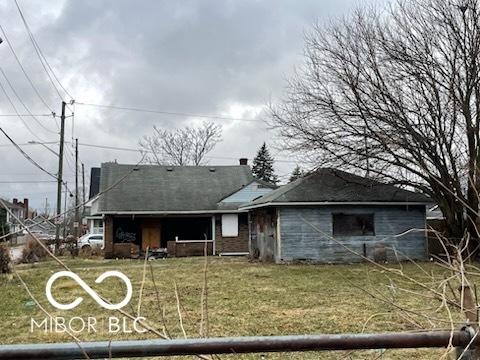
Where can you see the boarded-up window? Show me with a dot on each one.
(353, 225)
(229, 225)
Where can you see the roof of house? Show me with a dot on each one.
(327, 185)
(11, 205)
(154, 188)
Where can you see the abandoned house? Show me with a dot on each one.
(176, 207)
(331, 216)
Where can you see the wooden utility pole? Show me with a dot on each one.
(60, 180)
(83, 190)
(76, 223)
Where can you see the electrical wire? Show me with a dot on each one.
(15, 109)
(25, 115)
(149, 151)
(219, 117)
(40, 55)
(24, 71)
(27, 156)
(23, 104)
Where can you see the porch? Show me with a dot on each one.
(186, 235)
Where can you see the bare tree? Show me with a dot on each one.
(395, 94)
(184, 146)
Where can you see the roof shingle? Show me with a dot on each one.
(169, 188)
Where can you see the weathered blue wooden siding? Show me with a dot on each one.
(248, 193)
(300, 241)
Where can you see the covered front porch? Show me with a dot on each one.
(180, 235)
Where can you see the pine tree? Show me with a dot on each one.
(296, 174)
(263, 166)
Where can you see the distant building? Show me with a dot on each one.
(20, 210)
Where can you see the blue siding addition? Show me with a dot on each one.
(393, 230)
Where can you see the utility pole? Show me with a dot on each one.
(60, 180)
(65, 217)
(76, 223)
(83, 190)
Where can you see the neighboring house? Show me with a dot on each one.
(180, 208)
(327, 214)
(92, 220)
(40, 226)
(21, 211)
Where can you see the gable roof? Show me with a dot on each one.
(327, 185)
(154, 188)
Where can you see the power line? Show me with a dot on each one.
(26, 155)
(149, 151)
(24, 71)
(169, 112)
(23, 104)
(32, 143)
(25, 115)
(27, 181)
(40, 55)
(15, 109)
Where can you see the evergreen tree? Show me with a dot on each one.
(263, 166)
(296, 174)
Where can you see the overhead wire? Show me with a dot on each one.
(220, 117)
(15, 109)
(27, 156)
(40, 55)
(42, 99)
(23, 103)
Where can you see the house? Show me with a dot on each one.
(41, 226)
(92, 223)
(329, 213)
(180, 208)
(19, 210)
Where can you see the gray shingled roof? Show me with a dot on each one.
(169, 188)
(332, 185)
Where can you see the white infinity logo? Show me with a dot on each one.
(88, 289)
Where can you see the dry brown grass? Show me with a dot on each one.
(243, 299)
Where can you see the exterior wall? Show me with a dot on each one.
(263, 234)
(248, 193)
(108, 236)
(299, 241)
(237, 244)
(183, 249)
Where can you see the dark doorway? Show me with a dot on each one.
(186, 228)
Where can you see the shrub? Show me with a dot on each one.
(33, 251)
(91, 252)
(5, 260)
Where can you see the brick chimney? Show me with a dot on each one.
(243, 161)
(26, 209)
(15, 201)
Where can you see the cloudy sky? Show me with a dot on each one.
(227, 58)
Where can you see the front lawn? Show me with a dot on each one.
(244, 298)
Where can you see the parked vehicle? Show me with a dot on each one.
(90, 241)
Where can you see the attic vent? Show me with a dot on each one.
(169, 169)
(212, 169)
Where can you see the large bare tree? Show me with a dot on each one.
(183, 146)
(395, 94)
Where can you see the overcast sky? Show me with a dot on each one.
(221, 57)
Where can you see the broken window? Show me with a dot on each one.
(353, 225)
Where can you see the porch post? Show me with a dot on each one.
(213, 234)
